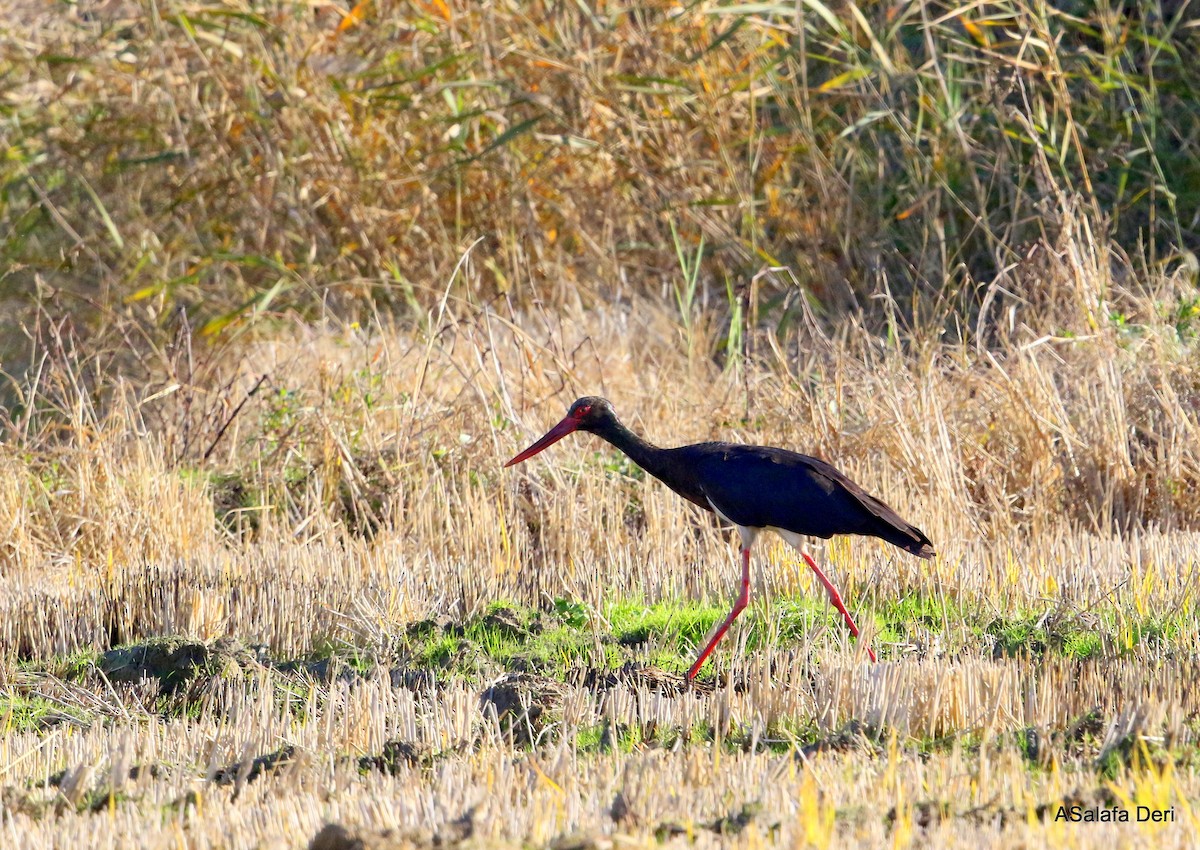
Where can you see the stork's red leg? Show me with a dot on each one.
(836, 597)
(738, 605)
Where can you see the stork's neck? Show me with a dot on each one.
(646, 455)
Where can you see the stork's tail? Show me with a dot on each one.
(890, 526)
(909, 538)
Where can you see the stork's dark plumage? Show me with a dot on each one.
(755, 488)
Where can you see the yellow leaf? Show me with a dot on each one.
(144, 292)
(843, 79)
(975, 31)
(216, 325)
(354, 16)
(438, 6)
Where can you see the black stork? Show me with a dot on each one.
(754, 488)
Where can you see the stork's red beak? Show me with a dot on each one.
(552, 436)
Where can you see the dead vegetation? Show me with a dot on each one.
(198, 164)
(1054, 475)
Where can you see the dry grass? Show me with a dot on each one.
(1059, 476)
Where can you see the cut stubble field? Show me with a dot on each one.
(352, 615)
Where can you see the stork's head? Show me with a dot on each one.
(590, 413)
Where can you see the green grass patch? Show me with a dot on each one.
(666, 634)
(959, 626)
(671, 623)
(603, 738)
(28, 713)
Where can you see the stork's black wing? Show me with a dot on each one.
(759, 486)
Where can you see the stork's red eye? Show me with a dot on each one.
(583, 411)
